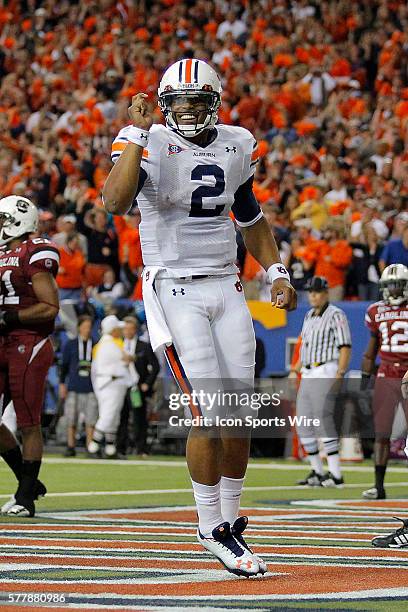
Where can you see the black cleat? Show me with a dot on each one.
(40, 490)
(312, 480)
(397, 539)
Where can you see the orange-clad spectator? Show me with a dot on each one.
(101, 173)
(248, 109)
(127, 229)
(332, 257)
(315, 209)
(286, 72)
(70, 277)
(130, 252)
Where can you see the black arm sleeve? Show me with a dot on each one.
(142, 180)
(245, 206)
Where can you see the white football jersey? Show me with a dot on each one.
(186, 196)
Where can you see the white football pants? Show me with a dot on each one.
(212, 331)
(110, 402)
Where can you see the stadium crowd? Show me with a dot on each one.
(322, 85)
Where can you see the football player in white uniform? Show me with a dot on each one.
(187, 177)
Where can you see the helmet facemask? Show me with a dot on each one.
(394, 292)
(18, 217)
(199, 108)
(6, 220)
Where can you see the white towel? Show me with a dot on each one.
(159, 332)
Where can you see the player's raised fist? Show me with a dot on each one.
(139, 113)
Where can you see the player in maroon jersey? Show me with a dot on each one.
(28, 307)
(387, 321)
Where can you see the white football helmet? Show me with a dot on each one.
(18, 216)
(394, 284)
(190, 77)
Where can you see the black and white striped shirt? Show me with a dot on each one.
(323, 335)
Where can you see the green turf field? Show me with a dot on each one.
(117, 480)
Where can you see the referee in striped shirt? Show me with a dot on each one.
(324, 357)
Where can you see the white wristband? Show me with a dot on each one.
(137, 136)
(276, 270)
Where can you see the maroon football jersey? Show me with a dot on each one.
(17, 267)
(390, 323)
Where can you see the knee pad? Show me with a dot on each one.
(331, 445)
(310, 445)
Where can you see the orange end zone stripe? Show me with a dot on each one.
(189, 64)
(178, 375)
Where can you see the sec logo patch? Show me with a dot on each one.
(21, 348)
(48, 263)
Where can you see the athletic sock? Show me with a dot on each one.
(29, 477)
(333, 462)
(231, 490)
(379, 477)
(208, 502)
(316, 463)
(98, 436)
(14, 460)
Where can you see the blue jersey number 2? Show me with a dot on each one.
(205, 191)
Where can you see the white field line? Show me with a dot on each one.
(12, 532)
(323, 537)
(388, 593)
(312, 561)
(145, 530)
(193, 575)
(315, 560)
(273, 534)
(177, 491)
(128, 602)
(112, 553)
(198, 553)
(252, 465)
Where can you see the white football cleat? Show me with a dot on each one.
(22, 511)
(93, 447)
(9, 504)
(373, 493)
(110, 450)
(237, 530)
(234, 557)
